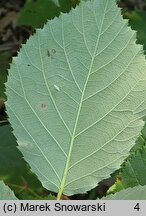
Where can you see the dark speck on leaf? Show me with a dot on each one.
(28, 65)
(48, 53)
(43, 105)
(51, 52)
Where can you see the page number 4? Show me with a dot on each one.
(137, 207)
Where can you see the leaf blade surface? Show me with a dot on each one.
(6, 193)
(81, 84)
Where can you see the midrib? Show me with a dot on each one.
(62, 184)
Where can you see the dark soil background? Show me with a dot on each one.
(11, 36)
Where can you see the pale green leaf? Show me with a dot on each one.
(56, 2)
(135, 193)
(6, 193)
(76, 97)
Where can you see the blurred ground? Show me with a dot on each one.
(133, 4)
(11, 36)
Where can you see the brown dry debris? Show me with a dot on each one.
(11, 35)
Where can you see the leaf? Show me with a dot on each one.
(134, 169)
(28, 196)
(10, 157)
(36, 13)
(56, 2)
(13, 168)
(135, 193)
(6, 193)
(76, 97)
(137, 22)
(50, 197)
(118, 186)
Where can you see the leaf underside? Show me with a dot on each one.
(76, 97)
(135, 193)
(6, 193)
